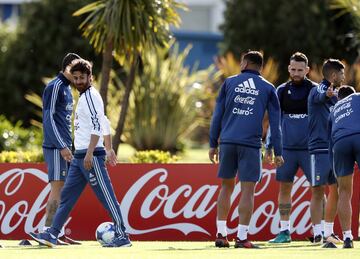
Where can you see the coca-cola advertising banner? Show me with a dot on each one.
(158, 202)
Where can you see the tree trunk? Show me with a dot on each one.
(105, 71)
(125, 104)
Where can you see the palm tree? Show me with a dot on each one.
(123, 29)
(348, 6)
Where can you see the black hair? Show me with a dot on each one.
(254, 57)
(299, 57)
(81, 65)
(330, 66)
(345, 90)
(69, 57)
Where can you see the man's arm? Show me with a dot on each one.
(215, 126)
(319, 95)
(275, 128)
(49, 105)
(110, 153)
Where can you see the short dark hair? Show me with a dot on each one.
(330, 65)
(81, 65)
(69, 57)
(299, 57)
(345, 90)
(254, 57)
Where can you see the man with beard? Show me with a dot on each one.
(88, 165)
(293, 97)
(321, 100)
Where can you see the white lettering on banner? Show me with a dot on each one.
(130, 196)
(22, 210)
(198, 203)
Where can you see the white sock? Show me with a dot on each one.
(62, 232)
(329, 229)
(284, 225)
(322, 225)
(347, 234)
(242, 231)
(221, 227)
(317, 229)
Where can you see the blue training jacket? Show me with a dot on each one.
(57, 110)
(239, 112)
(319, 106)
(294, 115)
(344, 119)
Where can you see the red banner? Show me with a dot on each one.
(158, 202)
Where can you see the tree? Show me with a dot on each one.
(126, 28)
(281, 27)
(45, 32)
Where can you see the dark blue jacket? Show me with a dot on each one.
(57, 110)
(239, 112)
(294, 115)
(319, 106)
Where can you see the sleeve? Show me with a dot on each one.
(215, 126)
(106, 126)
(96, 107)
(318, 95)
(50, 98)
(268, 144)
(331, 155)
(274, 119)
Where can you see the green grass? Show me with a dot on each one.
(180, 250)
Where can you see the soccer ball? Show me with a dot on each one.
(105, 233)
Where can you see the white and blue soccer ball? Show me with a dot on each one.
(105, 233)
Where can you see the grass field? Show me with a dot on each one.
(172, 250)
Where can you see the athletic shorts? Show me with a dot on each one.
(346, 152)
(321, 173)
(57, 167)
(241, 160)
(293, 160)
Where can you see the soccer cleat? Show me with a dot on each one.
(221, 241)
(44, 238)
(333, 239)
(329, 245)
(282, 237)
(317, 240)
(244, 244)
(119, 242)
(61, 243)
(348, 243)
(68, 240)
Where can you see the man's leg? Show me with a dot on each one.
(246, 206)
(330, 212)
(344, 204)
(101, 184)
(316, 210)
(53, 201)
(223, 204)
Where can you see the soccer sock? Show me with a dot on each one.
(284, 225)
(62, 232)
(317, 229)
(347, 234)
(221, 227)
(242, 232)
(329, 229)
(322, 225)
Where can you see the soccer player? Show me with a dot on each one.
(237, 125)
(344, 128)
(88, 165)
(320, 101)
(57, 111)
(293, 97)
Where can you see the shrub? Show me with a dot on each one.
(153, 156)
(21, 156)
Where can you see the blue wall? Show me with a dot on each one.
(204, 47)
